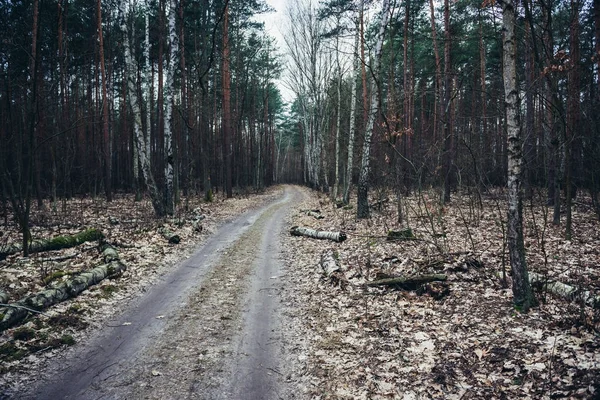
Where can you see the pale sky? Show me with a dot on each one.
(274, 26)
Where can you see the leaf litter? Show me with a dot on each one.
(379, 343)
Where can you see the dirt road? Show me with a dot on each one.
(210, 330)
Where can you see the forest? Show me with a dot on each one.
(423, 122)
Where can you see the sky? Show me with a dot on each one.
(274, 26)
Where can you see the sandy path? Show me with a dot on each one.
(210, 330)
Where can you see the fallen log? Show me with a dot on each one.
(16, 312)
(563, 290)
(57, 243)
(408, 282)
(331, 268)
(308, 232)
(329, 263)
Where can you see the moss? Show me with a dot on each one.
(54, 276)
(10, 352)
(24, 334)
(108, 290)
(67, 339)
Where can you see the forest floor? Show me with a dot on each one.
(342, 340)
(376, 343)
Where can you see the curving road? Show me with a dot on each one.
(210, 330)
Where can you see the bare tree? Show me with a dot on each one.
(362, 207)
(523, 295)
(140, 142)
(310, 69)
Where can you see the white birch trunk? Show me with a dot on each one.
(140, 143)
(523, 296)
(336, 184)
(362, 206)
(148, 77)
(355, 72)
(169, 89)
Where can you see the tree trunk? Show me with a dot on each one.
(573, 115)
(523, 296)
(169, 90)
(105, 131)
(354, 76)
(226, 104)
(448, 168)
(362, 206)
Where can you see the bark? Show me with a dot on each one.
(331, 268)
(308, 232)
(18, 311)
(522, 293)
(57, 243)
(169, 90)
(408, 282)
(329, 263)
(573, 115)
(447, 113)
(362, 205)
(226, 82)
(438, 72)
(355, 71)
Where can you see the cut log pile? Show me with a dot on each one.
(16, 312)
(312, 233)
(57, 243)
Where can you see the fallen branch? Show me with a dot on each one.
(37, 302)
(408, 282)
(303, 231)
(57, 243)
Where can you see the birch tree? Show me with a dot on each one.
(362, 206)
(522, 293)
(310, 68)
(169, 90)
(140, 143)
(351, 135)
